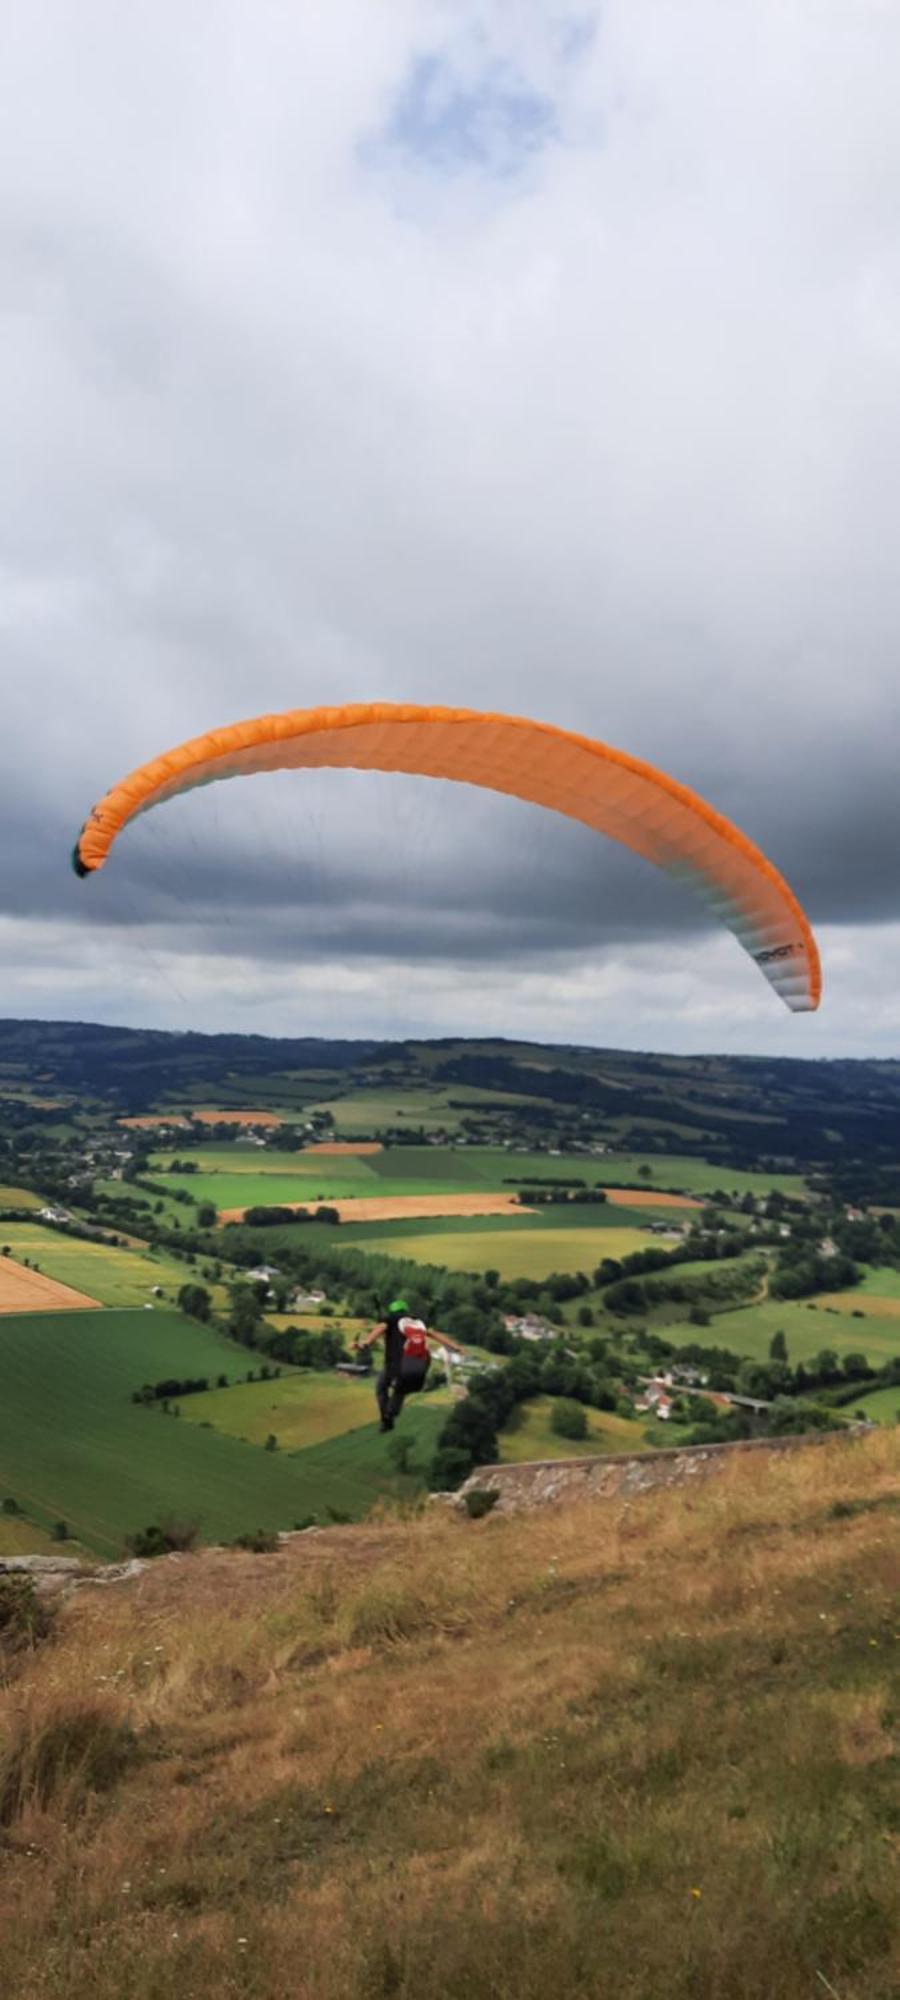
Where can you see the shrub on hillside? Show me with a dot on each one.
(568, 1419)
(480, 1500)
(163, 1539)
(24, 1617)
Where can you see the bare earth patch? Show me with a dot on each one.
(403, 1207)
(22, 1290)
(650, 1198)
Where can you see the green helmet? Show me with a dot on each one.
(398, 1306)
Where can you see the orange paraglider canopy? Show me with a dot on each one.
(606, 789)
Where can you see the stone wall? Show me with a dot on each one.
(543, 1481)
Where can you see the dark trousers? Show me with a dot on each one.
(390, 1393)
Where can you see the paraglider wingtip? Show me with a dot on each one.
(80, 867)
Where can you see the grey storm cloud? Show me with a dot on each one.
(446, 354)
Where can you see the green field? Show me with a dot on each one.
(74, 1447)
(21, 1538)
(364, 1112)
(878, 1292)
(239, 1178)
(881, 1406)
(299, 1409)
(808, 1328)
(529, 1435)
(16, 1197)
(513, 1251)
(530, 1247)
(113, 1277)
(344, 1170)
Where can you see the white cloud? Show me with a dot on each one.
(683, 998)
(303, 404)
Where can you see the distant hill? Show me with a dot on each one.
(739, 1110)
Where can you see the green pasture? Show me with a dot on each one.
(501, 1166)
(513, 1251)
(366, 1112)
(529, 1435)
(74, 1447)
(530, 1245)
(878, 1292)
(16, 1197)
(20, 1537)
(170, 1213)
(881, 1406)
(244, 1190)
(122, 1277)
(242, 1177)
(354, 1471)
(808, 1327)
(299, 1409)
(261, 1162)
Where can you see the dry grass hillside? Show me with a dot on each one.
(637, 1750)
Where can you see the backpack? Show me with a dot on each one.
(415, 1360)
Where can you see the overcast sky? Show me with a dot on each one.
(520, 356)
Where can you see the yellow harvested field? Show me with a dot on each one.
(205, 1118)
(867, 1303)
(237, 1118)
(149, 1123)
(335, 1146)
(405, 1207)
(650, 1198)
(22, 1290)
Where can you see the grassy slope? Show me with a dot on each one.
(878, 1293)
(529, 1435)
(72, 1445)
(22, 1538)
(602, 1753)
(368, 1110)
(808, 1329)
(514, 1251)
(114, 1277)
(16, 1197)
(238, 1177)
(299, 1409)
(881, 1406)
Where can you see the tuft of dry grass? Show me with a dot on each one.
(635, 1749)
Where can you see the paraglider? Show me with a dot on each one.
(606, 789)
(406, 1358)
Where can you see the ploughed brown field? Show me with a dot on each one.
(403, 1207)
(22, 1290)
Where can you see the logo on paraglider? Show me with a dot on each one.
(776, 951)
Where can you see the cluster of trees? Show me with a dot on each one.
(172, 1386)
(803, 1268)
(269, 1216)
(631, 1284)
(302, 1347)
(470, 1435)
(560, 1194)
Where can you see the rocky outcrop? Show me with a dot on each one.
(58, 1576)
(542, 1482)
